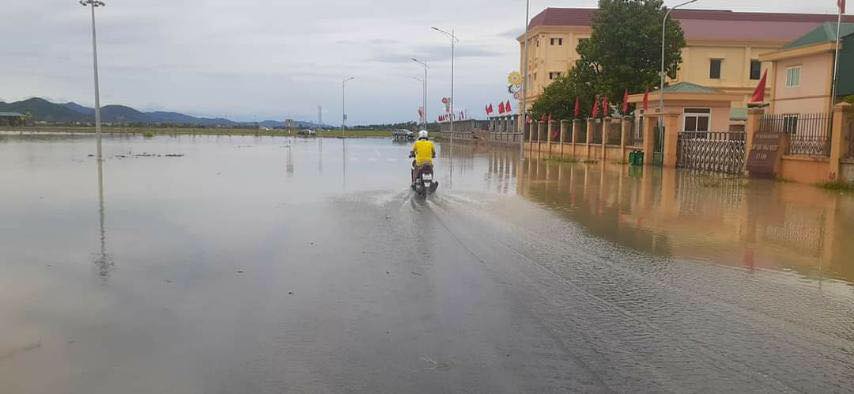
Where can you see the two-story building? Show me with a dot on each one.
(723, 50)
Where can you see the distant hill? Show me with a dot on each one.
(79, 108)
(46, 111)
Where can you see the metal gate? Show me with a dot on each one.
(715, 151)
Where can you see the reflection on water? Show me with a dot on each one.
(733, 221)
(103, 262)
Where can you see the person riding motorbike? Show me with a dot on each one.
(424, 152)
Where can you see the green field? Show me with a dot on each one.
(151, 131)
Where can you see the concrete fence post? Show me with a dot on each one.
(838, 141)
(671, 139)
(564, 128)
(591, 124)
(754, 118)
(576, 130)
(625, 125)
(549, 131)
(650, 123)
(541, 132)
(606, 129)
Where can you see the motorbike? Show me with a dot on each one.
(424, 182)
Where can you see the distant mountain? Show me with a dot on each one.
(45, 111)
(79, 108)
(42, 109)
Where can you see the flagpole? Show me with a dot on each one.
(836, 59)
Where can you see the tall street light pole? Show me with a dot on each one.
(454, 40)
(663, 75)
(424, 90)
(344, 113)
(422, 113)
(92, 4)
(524, 110)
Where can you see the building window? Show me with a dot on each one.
(554, 75)
(538, 43)
(697, 119)
(755, 69)
(556, 41)
(790, 123)
(715, 68)
(535, 76)
(793, 77)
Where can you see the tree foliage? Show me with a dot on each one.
(623, 52)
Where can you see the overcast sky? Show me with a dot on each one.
(276, 59)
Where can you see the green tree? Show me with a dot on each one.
(558, 99)
(623, 52)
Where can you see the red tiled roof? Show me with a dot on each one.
(710, 24)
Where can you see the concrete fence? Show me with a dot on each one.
(611, 139)
(608, 139)
(814, 157)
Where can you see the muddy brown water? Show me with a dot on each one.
(216, 264)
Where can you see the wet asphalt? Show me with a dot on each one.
(267, 266)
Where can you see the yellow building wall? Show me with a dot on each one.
(813, 93)
(735, 69)
(545, 57)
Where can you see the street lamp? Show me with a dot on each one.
(424, 90)
(454, 40)
(92, 4)
(661, 89)
(421, 113)
(344, 114)
(525, 80)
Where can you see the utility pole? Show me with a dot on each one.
(92, 4)
(344, 113)
(423, 91)
(454, 40)
(663, 75)
(524, 110)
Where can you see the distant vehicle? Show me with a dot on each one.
(402, 135)
(308, 132)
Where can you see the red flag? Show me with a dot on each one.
(646, 100)
(606, 109)
(841, 4)
(549, 119)
(759, 93)
(626, 102)
(489, 109)
(577, 112)
(595, 113)
(501, 107)
(530, 119)
(543, 118)
(507, 107)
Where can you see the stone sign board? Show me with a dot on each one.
(766, 154)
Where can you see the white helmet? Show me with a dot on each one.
(422, 134)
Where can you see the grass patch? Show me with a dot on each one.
(838, 186)
(148, 134)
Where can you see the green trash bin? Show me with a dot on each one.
(636, 158)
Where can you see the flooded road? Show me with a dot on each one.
(239, 264)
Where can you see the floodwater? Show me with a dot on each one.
(215, 264)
